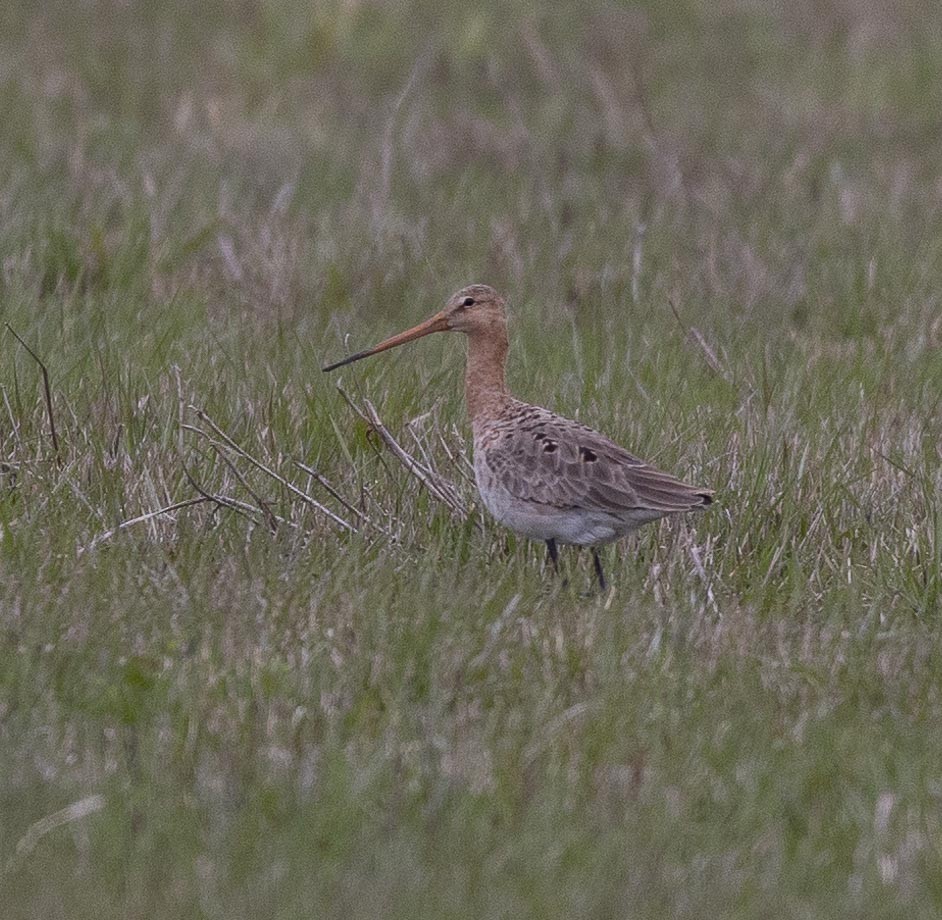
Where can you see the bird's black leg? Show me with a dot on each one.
(598, 569)
(553, 554)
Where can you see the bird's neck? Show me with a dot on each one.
(485, 388)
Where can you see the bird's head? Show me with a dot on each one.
(475, 310)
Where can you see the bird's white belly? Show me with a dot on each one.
(576, 527)
(544, 522)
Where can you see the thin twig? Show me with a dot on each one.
(419, 443)
(293, 489)
(455, 461)
(243, 508)
(226, 501)
(360, 515)
(270, 515)
(437, 486)
(46, 390)
(141, 519)
(437, 483)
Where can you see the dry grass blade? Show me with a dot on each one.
(268, 471)
(356, 512)
(142, 519)
(270, 516)
(702, 574)
(74, 812)
(458, 461)
(11, 417)
(437, 486)
(47, 392)
(226, 501)
(709, 354)
(381, 197)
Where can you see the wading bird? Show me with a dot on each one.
(541, 475)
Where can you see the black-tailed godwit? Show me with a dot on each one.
(542, 475)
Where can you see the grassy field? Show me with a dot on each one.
(719, 225)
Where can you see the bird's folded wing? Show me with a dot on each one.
(553, 461)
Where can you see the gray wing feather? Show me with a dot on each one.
(543, 458)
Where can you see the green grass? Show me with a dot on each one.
(200, 203)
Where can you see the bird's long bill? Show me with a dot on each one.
(436, 323)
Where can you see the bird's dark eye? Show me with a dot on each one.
(468, 302)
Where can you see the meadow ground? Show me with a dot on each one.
(718, 224)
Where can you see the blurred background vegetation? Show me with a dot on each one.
(764, 150)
